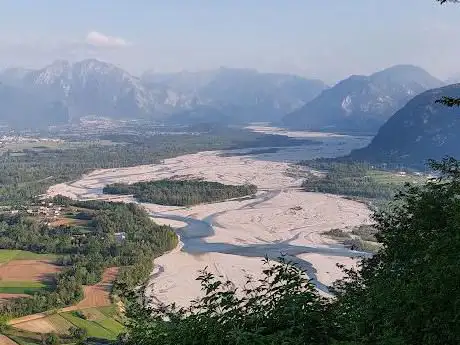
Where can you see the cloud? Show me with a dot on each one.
(100, 40)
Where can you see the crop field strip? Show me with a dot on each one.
(94, 330)
(21, 287)
(7, 255)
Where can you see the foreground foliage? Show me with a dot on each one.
(406, 294)
(280, 308)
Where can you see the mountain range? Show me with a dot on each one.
(422, 129)
(362, 103)
(64, 92)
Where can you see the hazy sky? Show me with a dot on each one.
(324, 39)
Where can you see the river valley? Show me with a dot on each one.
(231, 238)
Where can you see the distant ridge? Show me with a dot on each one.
(421, 130)
(68, 91)
(362, 103)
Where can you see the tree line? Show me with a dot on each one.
(180, 192)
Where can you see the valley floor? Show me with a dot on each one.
(231, 238)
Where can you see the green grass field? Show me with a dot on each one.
(392, 177)
(94, 329)
(21, 287)
(111, 325)
(7, 255)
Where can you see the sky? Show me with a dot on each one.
(329, 40)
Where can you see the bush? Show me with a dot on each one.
(282, 308)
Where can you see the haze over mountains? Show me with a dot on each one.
(92, 87)
(362, 103)
(64, 92)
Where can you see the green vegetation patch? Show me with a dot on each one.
(7, 255)
(93, 314)
(357, 180)
(21, 287)
(94, 330)
(181, 192)
(109, 311)
(111, 325)
(23, 340)
(23, 337)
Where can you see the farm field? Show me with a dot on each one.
(7, 255)
(101, 323)
(21, 287)
(99, 295)
(94, 329)
(27, 270)
(24, 273)
(95, 313)
(63, 221)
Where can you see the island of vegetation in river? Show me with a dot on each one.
(181, 192)
(27, 171)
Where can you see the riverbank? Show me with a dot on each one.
(231, 238)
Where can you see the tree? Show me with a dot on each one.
(408, 292)
(79, 334)
(449, 101)
(282, 308)
(50, 339)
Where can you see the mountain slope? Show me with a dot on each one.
(420, 130)
(362, 103)
(21, 109)
(92, 87)
(95, 88)
(243, 95)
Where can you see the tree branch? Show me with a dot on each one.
(449, 101)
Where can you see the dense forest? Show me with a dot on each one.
(180, 192)
(25, 175)
(85, 254)
(405, 294)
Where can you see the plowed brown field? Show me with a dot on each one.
(99, 295)
(28, 270)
